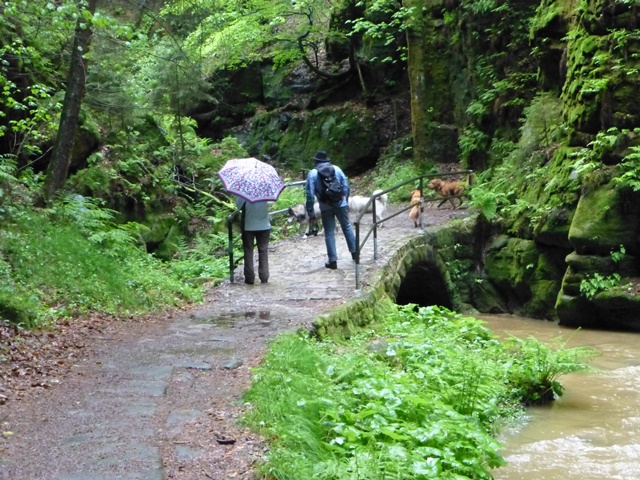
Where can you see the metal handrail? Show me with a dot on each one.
(373, 230)
(374, 226)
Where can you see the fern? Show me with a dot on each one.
(630, 166)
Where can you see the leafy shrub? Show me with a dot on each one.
(534, 367)
(73, 259)
(421, 396)
(596, 283)
(630, 168)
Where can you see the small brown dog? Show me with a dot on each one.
(414, 213)
(448, 191)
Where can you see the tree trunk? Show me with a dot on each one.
(61, 157)
(417, 87)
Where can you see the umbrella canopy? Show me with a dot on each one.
(251, 179)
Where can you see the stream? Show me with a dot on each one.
(593, 430)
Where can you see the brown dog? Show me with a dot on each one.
(414, 213)
(448, 191)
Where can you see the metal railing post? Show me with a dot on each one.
(420, 224)
(357, 229)
(375, 229)
(230, 248)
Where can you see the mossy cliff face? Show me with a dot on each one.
(542, 105)
(347, 133)
(604, 226)
(526, 275)
(601, 63)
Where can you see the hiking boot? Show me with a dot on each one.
(331, 265)
(248, 282)
(354, 255)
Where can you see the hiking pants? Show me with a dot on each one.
(329, 216)
(261, 238)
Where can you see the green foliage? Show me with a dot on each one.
(589, 166)
(382, 22)
(630, 171)
(618, 255)
(395, 167)
(491, 194)
(73, 259)
(233, 34)
(543, 125)
(7, 177)
(204, 260)
(421, 396)
(400, 173)
(595, 283)
(472, 140)
(28, 103)
(535, 367)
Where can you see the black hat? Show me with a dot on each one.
(321, 156)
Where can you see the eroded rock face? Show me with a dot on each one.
(598, 288)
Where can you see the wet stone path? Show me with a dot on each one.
(158, 399)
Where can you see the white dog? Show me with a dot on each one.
(298, 213)
(358, 202)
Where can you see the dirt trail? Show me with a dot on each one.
(158, 399)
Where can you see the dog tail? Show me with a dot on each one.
(383, 198)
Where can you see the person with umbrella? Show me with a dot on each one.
(254, 183)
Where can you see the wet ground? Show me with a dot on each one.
(158, 399)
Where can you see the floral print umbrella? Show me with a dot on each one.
(251, 179)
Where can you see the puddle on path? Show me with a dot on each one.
(231, 319)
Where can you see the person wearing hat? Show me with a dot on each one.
(330, 210)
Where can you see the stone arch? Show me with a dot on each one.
(424, 284)
(421, 276)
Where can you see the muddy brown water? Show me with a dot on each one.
(593, 430)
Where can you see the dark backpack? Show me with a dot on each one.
(331, 188)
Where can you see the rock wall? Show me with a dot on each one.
(565, 184)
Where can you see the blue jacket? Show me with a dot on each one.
(313, 187)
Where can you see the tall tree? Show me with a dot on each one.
(415, 67)
(76, 82)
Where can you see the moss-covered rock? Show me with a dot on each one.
(276, 89)
(163, 236)
(575, 312)
(347, 133)
(571, 282)
(346, 320)
(615, 308)
(17, 312)
(602, 223)
(487, 298)
(618, 309)
(553, 230)
(511, 269)
(604, 265)
(266, 132)
(526, 275)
